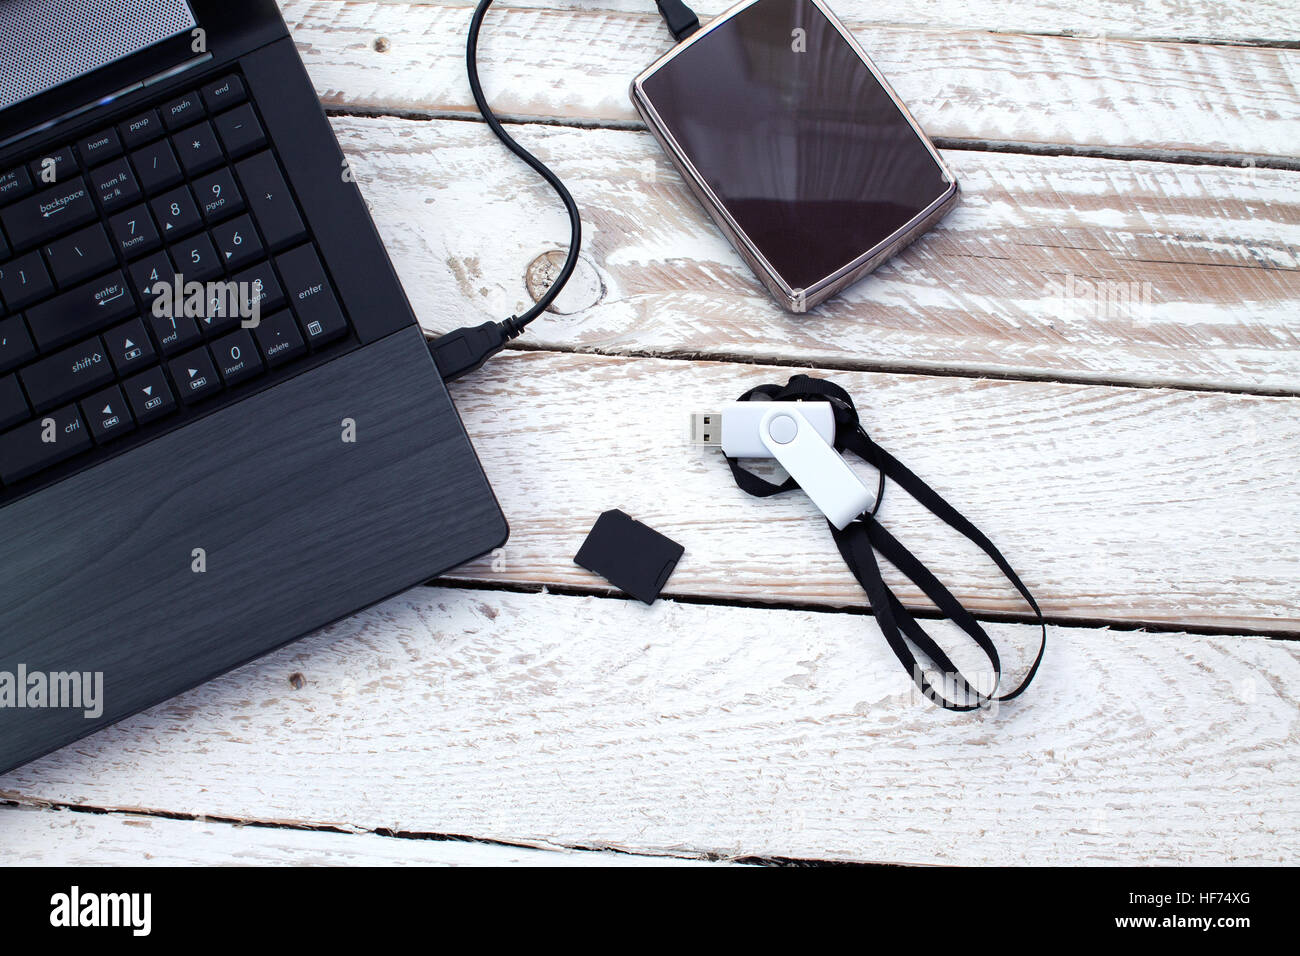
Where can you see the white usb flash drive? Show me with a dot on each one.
(800, 436)
(735, 429)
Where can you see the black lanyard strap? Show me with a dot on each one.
(860, 540)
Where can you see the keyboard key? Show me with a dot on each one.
(115, 184)
(24, 451)
(80, 255)
(268, 198)
(141, 129)
(149, 395)
(195, 376)
(24, 280)
(218, 195)
(218, 318)
(134, 231)
(182, 110)
(279, 339)
(13, 406)
(105, 144)
(65, 375)
(53, 167)
(176, 212)
(81, 311)
(311, 296)
(108, 415)
(197, 148)
(237, 242)
(15, 184)
(156, 166)
(129, 347)
(240, 131)
(174, 333)
(263, 286)
(148, 272)
(41, 217)
(226, 91)
(15, 344)
(4, 247)
(237, 357)
(195, 259)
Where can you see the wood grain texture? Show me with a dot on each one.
(719, 730)
(1134, 505)
(570, 64)
(35, 836)
(1260, 21)
(1080, 268)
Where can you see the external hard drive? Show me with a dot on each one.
(795, 144)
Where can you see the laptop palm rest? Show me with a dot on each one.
(220, 541)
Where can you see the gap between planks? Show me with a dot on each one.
(1212, 104)
(728, 732)
(48, 834)
(610, 593)
(1131, 505)
(1070, 269)
(1264, 22)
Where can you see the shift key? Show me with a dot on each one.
(26, 450)
(85, 309)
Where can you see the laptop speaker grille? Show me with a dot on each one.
(47, 42)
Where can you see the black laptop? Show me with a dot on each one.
(220, 425)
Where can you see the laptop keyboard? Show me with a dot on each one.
(186, 190)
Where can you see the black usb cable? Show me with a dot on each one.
(466, 349)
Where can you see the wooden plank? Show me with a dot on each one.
(1262, 21)
(1074, 268)
(1127, 505)
(571, 65)
(33, 836)
(733, 731)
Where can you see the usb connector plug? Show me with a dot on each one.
(736, 428)
(706, 428)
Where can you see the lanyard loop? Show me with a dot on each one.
(860, 540)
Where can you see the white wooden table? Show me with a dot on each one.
(1135, 458)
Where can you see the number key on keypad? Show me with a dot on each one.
(134, 231)
(174, 333)
(196, 260)
(237, 242)
(148, 272)
(219, 197)
(176, 212)
(237, 357)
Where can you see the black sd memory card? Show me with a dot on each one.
(630, 555)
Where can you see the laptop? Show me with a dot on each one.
(220, 424)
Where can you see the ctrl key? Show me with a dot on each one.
(149, 395)
(40, 443)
